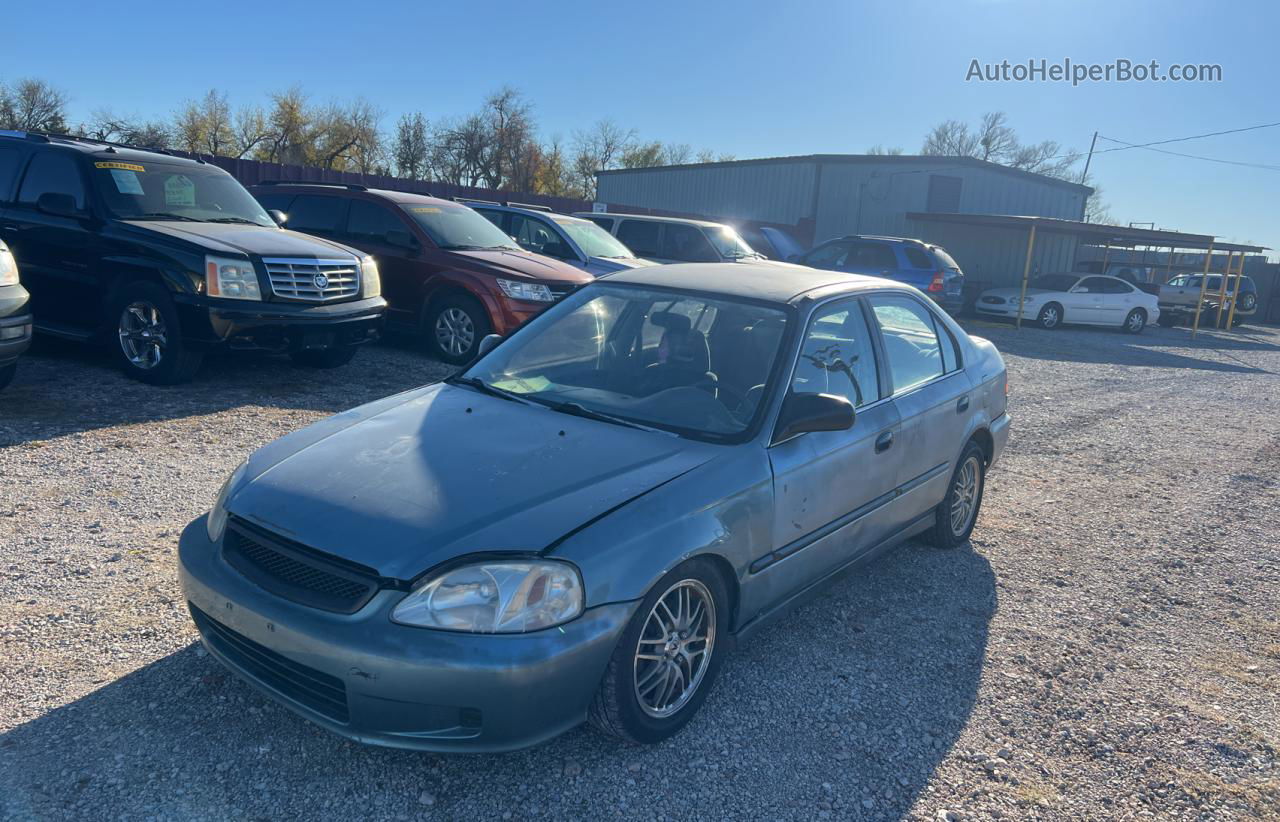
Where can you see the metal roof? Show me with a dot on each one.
(873, 159)
(1091, 232)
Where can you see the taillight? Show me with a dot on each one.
(937, 284)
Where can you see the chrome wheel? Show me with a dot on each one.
(143, 337)
(1049, 316)
(964, 495)
(674, 650)
(1135, 322)
(455, 332)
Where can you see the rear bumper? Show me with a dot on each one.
(280, 326)
(375, 681)
(999, 436)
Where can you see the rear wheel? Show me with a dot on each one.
(149, 344)
(6, 374)
(955, 516)
(1050, 316)
(1135, 321)
(667, 659)
(455, 325)
(324, 357)
(1248, 301)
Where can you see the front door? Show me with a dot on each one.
(378, 230)
(833, 490)
(1085, 301)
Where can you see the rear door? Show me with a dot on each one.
(643, 237)
(1118, 299)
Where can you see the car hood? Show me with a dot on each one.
(448, 471)
(517, 264)
(247, 239)
(609, 265)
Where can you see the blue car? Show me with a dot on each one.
(914, 262)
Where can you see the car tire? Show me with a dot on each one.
(637, 701)
(955, 516)
(1135, 321)
(324, 357)
(1248, 302)
(455, 325)
(147, 337)
(7, 373)
(1050, 316)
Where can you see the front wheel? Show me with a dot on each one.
(455, 325)
(324, 357)
(1050, 316)
(149, 345)
(667, 658)
(955, 516)
(1135, 321)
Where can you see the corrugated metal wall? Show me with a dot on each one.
(781, 193)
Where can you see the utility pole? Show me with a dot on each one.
(1085, 174)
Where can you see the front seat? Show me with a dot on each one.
(684, 356)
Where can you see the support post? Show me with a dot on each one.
(1235, 291)
(1168, 275)
(1204, 281)
(1026, 273)
(1222, 290)
(1106, 254)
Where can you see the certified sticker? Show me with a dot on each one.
(122, 166)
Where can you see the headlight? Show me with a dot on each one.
(217, 522)
(8, 268)
(526, 291)
(372, 285)
(231, 279)
(498, 597)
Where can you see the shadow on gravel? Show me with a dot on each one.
(64, 387)
(847, 706)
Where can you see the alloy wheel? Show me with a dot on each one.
(964, 499)
(455, 331)
(143, 336)
(674, 649)
(1049, 317)
(1136, 322)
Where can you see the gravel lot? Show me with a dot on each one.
(1109, 648)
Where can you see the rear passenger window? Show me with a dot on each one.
(280, 202)
(494, 217)
(370, 222)
(836, 356)
(831, 255)
(917, 257)
(910, 340)
(641, 236)
(10, 162)
(873, 257)
(52, 173)
(317, 214)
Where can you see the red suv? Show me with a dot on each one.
(447, 272)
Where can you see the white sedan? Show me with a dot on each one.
(1086, 299)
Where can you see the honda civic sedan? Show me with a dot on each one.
(582, 524)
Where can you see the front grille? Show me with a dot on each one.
(296, 572)
(994, 300)
(322, 693)
(314, 280)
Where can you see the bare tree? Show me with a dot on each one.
(411, 148)
(995, 140)
(205, 126)
(555, 174)
(130, 130)
(33, 105)
(290, 125)
(676, 154)
(252, 130)
(459, 149)
(643, 155)
(599, 149)
(879, 150)
(510, 146)
(950, 138)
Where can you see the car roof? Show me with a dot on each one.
(337, 188)
(651, 217)
(532, 212)
(884, 238)
(99, 148)
(774, 282)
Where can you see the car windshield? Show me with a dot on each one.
(693, 365)
(172, 191)
(457, 227)
(593, 240)
(729, 243)
(1055, 282)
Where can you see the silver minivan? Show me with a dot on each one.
(675, 239)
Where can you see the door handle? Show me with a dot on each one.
(963, 405)
(884, 441)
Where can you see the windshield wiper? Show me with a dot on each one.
(485, 388)
(233, 220)
(574, 409)
(162, 215)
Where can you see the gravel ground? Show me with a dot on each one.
(1108, 648)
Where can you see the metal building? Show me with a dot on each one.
(817, 197)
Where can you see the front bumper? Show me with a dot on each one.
(15, 331)
(375, 681)
(280, 327)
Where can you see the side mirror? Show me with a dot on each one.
(60, 205)
(279, 216)
(1078, 289)
(487, 343)
(400, 238)
(802, 413)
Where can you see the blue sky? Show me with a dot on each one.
(747, 78)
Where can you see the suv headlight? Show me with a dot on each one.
(216, 524)
(8, 267)
(371, 282)
(495, 597)
(516, 290)
(230, 279)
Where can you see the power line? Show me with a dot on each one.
(1148, 147)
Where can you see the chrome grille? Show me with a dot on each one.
(315, 280)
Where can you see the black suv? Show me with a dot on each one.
(165, 258)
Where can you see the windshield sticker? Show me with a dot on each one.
(179, 191)
(126, 181)
(124, 166)
(527, 385)
(426, 210)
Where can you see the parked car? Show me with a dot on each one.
(1179, 296)
(164, 258)
(1142, 277)
(448, 274)
(15, 320)
(926, 266)
(1091, 299)
(674, 239)
(579, 526)
(772, 242)
(573, 240)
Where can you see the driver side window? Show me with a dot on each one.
(836, 356)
